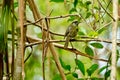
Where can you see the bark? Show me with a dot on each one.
(19, 61)
(114, 37)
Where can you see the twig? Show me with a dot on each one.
(55, 17)
(58, 33)
(105, 10)
(45, 29)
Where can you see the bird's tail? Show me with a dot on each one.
(66, 42)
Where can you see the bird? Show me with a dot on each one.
(71, 32)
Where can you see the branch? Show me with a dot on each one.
(69, 49)
(86, 39)
(53, 32)
(105, 10)
(55, 17)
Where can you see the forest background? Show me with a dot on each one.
(32, 40)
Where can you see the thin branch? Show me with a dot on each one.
(69, 49)
(105, 10)
(45, 29)
(54, 32)
(77, 52)
(39, 41)
(55, 17)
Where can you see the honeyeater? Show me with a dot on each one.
(71, 32)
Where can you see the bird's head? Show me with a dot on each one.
(75, 23)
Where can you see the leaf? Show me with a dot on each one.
(97, 45)
(80, 66)
(81, 79)
(75, 3)
(101, 30)
(117, 51)
(88, 15)
(87, 3)
(107, 74)
(81, 33)
(101, 69)
(96, 78)
(66, 67)
(15, 4)
(57, 1)
(89, 51)
(57, 77)
(75, 75)
(92, 69)
(72, 10)
(81, 3)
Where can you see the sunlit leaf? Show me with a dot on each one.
(101, 30)
(89, 51)
(96, 78)
(80, 66)
(92, 69)
(81, 33)
(97, 45)
(81, 4)
(57, 77)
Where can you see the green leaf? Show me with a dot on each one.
(101, 30)
(81, 33)
(15, 4)
(72, 10)
(95, 78)
(117, 55)
(57, 77)
(81, 79)
(56, 0)
(101, 69)
(97, 45)
(88, 15)
(66, 67)
(72, 18)
(92, 69)
(75, 3)
(89, 51)
(75, 75)
(87, 3)
(107, 74)
(81, 4)
(80, 66)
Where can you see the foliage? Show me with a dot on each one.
(91, 46)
